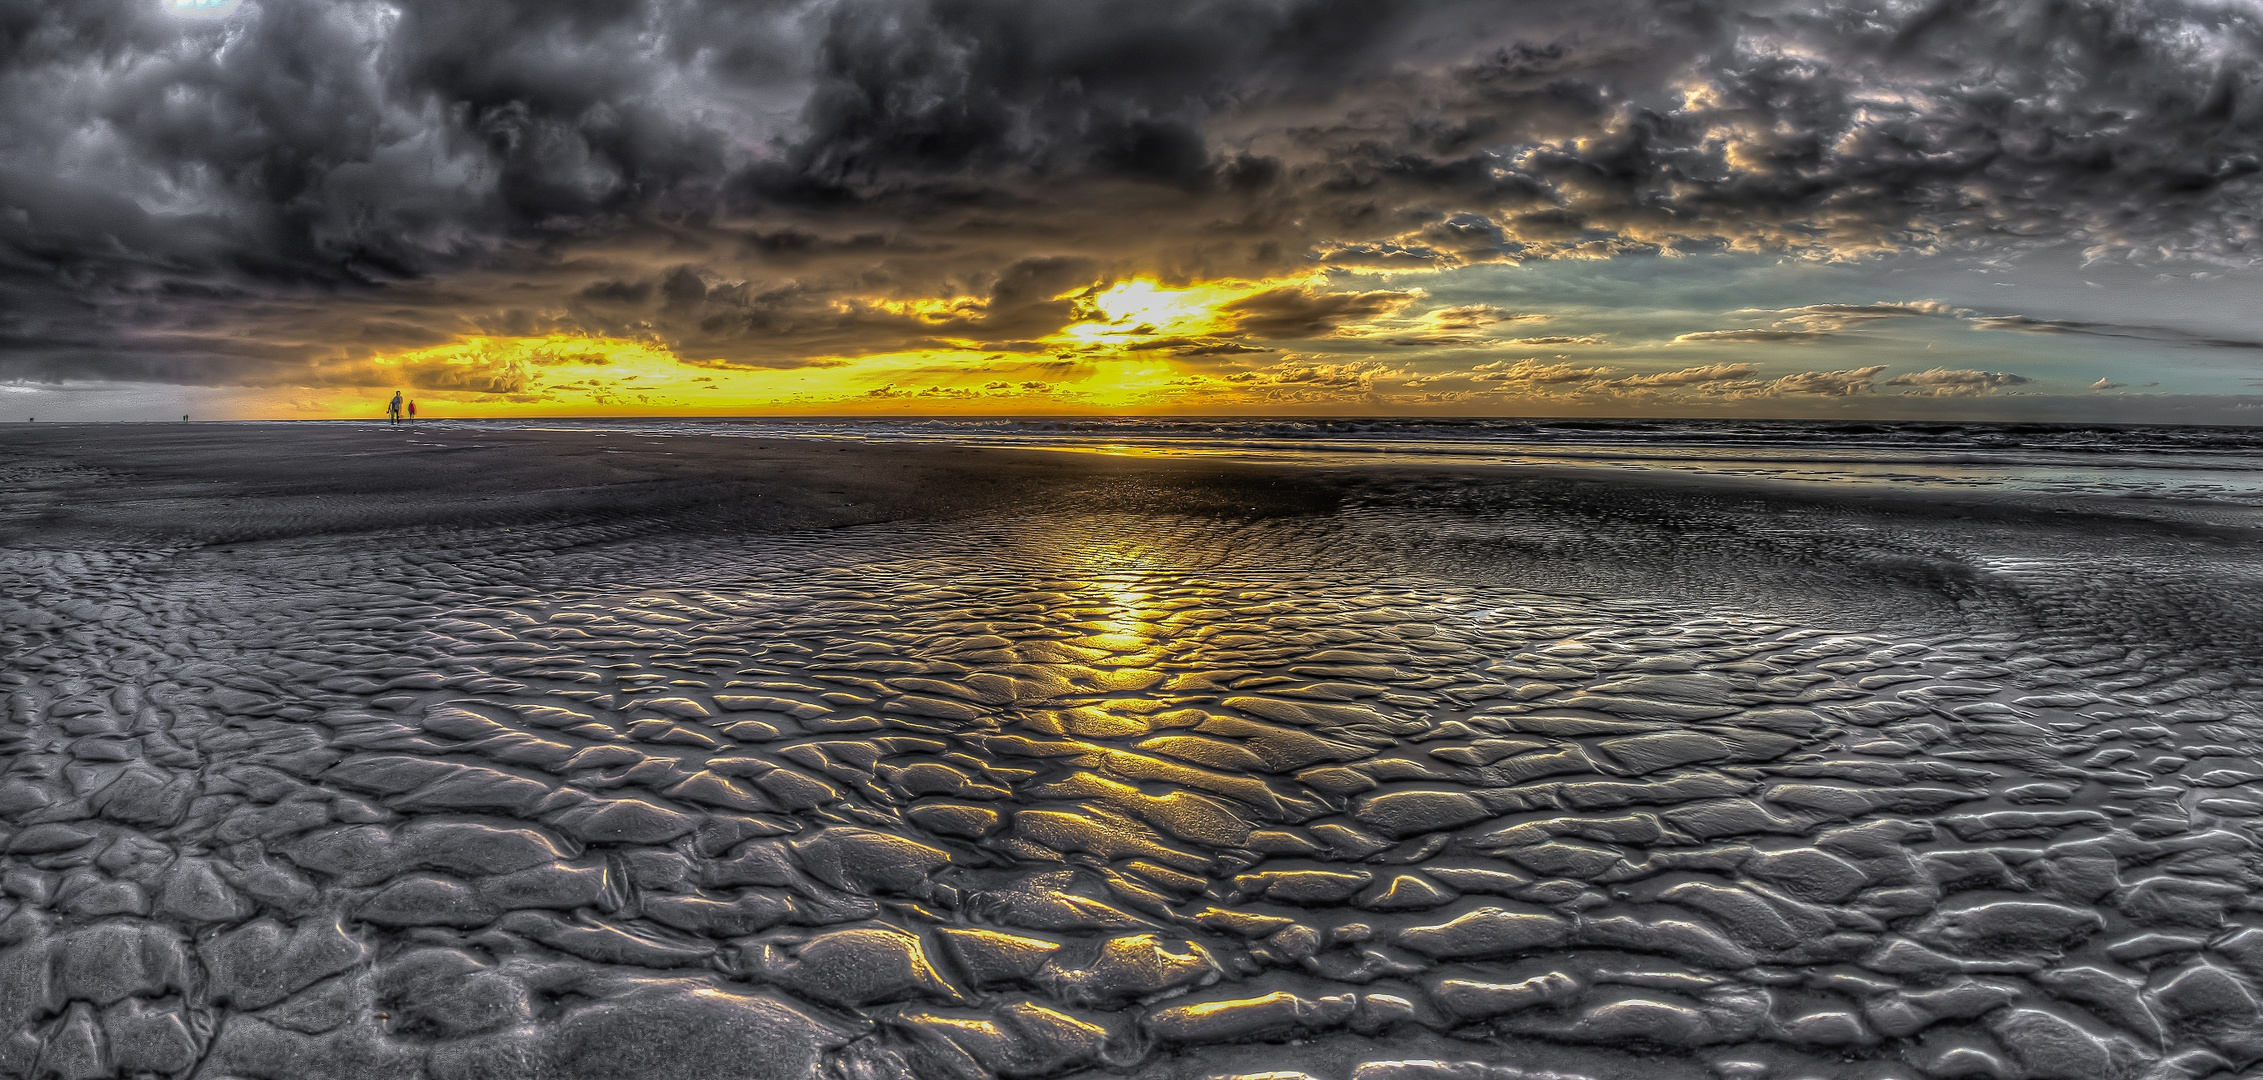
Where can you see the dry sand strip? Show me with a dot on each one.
(333, 751)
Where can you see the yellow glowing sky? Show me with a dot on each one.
(1093, 364)
(1575, 342)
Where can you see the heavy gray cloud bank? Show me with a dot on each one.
(266, 196)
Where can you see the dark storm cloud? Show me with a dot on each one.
(252, 199)
(1292, 312)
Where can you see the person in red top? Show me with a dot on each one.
(412, 408)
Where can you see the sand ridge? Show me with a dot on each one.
(1115, 769)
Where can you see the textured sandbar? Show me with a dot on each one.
(335, 752)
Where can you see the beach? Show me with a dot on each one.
(342, 750)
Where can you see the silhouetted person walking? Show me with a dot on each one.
(412, 410)
(393, 410)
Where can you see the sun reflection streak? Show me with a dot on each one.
(1128, 618)
(1123, 581)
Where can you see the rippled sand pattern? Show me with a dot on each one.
(1048, 797)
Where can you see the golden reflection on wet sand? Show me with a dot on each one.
(1050, 796)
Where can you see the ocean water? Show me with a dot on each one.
(2208, 463)
(1466, 779)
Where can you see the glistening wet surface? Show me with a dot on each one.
(1406, 792)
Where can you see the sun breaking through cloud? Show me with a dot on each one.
(1155, 206)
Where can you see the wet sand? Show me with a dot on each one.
(341, 751)
(217, 482)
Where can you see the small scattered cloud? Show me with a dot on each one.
(1710, 373)
(1946, 382)
(1437, 341)
(1530, 370)
(1832, 318)
(2163, 334)
(1188, 346)
(1345, 376)
(2107, 384)
(1752, 336)
(1304, 381)
(1846, 383)
(941, 392)
(1461, 326)
(1475, 317)
(1817, 322)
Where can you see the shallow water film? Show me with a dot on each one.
(1416, 789)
